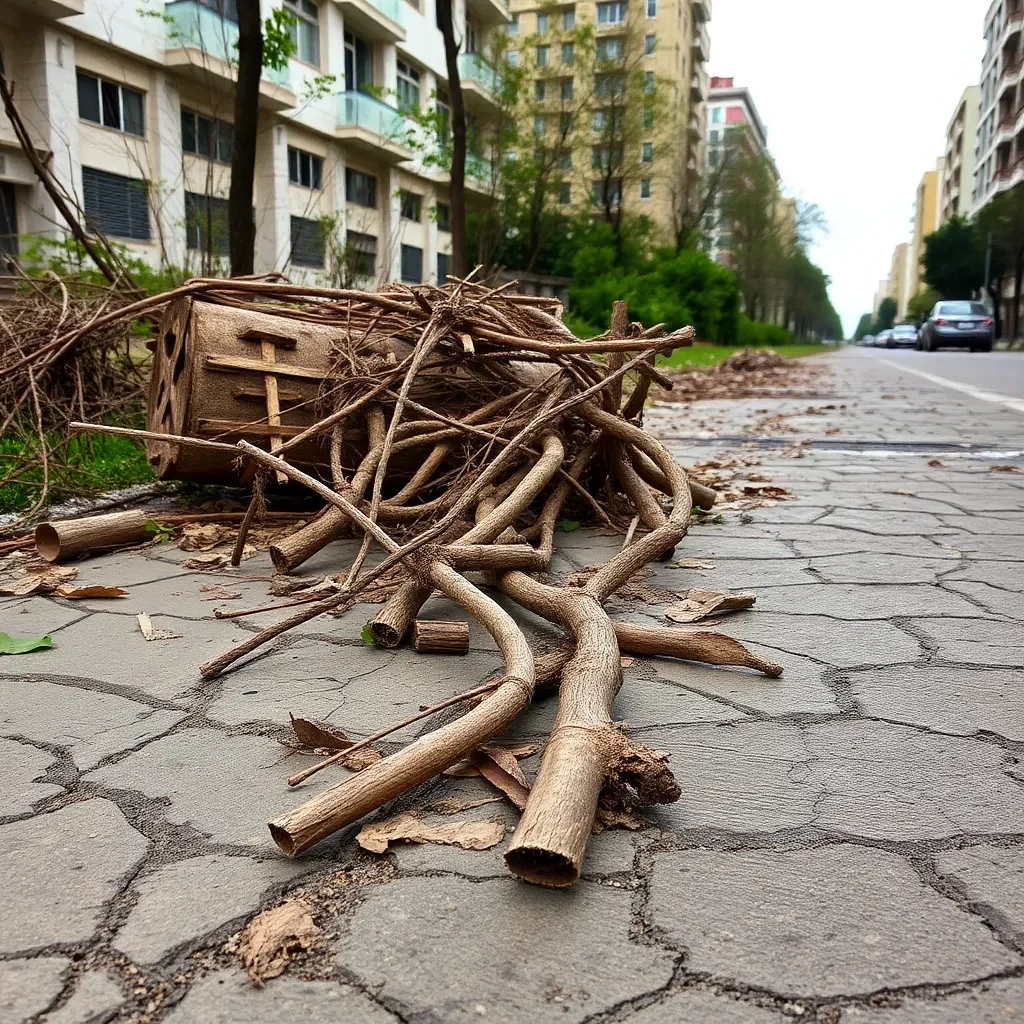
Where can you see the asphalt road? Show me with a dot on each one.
(999, 372)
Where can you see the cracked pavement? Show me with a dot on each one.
(849, 846)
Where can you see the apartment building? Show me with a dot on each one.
(926, 220)
(667, 42)
(732, 120)
(956, 191)
(132, 104)
(898, 286)
(999, 151)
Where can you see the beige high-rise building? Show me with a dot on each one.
(957, 189)
(926, 220)
(665, 41)
(899, 278)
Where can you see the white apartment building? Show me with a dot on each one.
(999, 160)
(131, 102)
(956, 190)
(731, 116)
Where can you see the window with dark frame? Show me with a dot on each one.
(360, 188)
(564, 194)
(412, 264)
(569, 19)
(305, 169)
(111, 105)
(410, 205)
(305, 30)
(568, 53)
(362, 251)
(408, 89)
(307, 242)
(206, 136)
(444, 266)
(206, 223)
(539, 88)
(444, 216)
(116, 205)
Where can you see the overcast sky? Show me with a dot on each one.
(856, 97)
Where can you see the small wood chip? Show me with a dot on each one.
(80, 593)
(698, 604)
(150, 632)
(267, 942)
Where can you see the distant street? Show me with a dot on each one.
(999, 372)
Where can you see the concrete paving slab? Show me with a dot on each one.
(94, 999)
(27, 987)
(21, 767)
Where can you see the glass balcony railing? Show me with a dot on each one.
(472, 67)
(361, 110)
(194, 25)
(390, 9)
(479, 168)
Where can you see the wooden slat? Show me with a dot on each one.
(262, 336)
(229, 363)
(260, 395)
(214, 427)
(269, 355)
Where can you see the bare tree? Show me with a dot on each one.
(241, 229)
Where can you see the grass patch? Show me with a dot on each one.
(708, 355)
(89, 465)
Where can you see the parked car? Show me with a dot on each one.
(904, 335)
(957, 325)
(882, 339)
(868, 339)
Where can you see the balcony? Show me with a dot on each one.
(204, 46)
(375, 128)
(702, 10)
(489, 12)
(701, 43)
(1014, 23)
(479, 81)
(375, 19)
(50, 8)
(1011, 68)
(699, 84)
(696, 127)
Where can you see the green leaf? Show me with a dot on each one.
(367, 635)
(568, 525)
(159, 531)
(23, 644)
(698, 511)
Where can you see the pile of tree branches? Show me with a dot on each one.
(464, 424)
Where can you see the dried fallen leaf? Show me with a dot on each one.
(268, 939)
(501, 770)
(937, 463)
(694, 563)
(23, 644)
(452, 805)
(79, 593)
(697, 604)
(36, 579)
(407, 828)
(625, 660)
(215, 592)
(205, 562)
(203, 536)
(464, 769)
(1004, 469)
(150, 632)
(319, 737)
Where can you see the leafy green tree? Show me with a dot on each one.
(863, 326)
(1002, 221)
(953, 260)
(886, 315)
(921, 305)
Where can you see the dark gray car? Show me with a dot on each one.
(957, 325)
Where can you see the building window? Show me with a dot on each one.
(206, 136)
(538, 125)
(568, 53)
(227, 9)
(362, 251)
(645, 188)
(206, 224)
(648, 83)
(538, 89)
(513, 29)
(613, 13)
(543, 53)
(714, 136)
(408, 87)
(512, 58)
(411, 205)
(305, 30)
(647, 152)
(606, 157)
(567, 89)
(565, 160)
(566, 122)
(569, 19)
(307, 242)
(360, 188)
(444, 266)
(611, 189)
(444, 216)
(116, 205)
(358, 63)
(648, 118)
(609, 85)
(599, 120)
(652, 8)
(542, 23)
(111, 105)
(610, 49)
(304, 168)
(412, 264)
(650, 42)
(564, 194)
(716, 115)
(473, 37)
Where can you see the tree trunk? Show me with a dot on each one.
(241, 227)
(457, 186)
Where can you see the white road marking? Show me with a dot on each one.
(1017, 404)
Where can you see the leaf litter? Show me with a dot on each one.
(267, 942)
(697, 604)
(409, 828)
